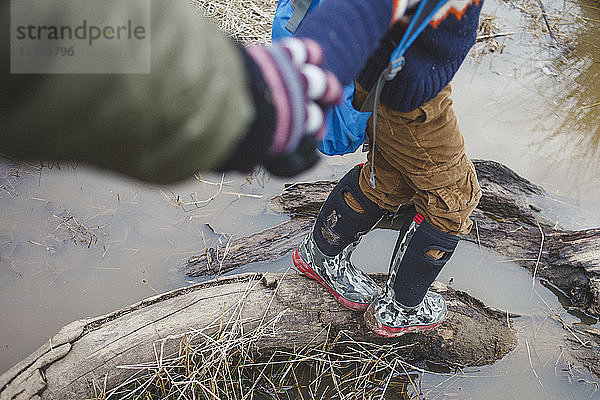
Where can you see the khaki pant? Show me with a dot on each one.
(420, 155)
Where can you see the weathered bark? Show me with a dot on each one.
(584, 345)
(298, 311)
(291, 309)
(508, 220)
(266, 246)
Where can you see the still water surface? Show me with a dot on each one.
(75, 242)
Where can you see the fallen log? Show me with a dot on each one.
(511, 219)
(584, 344)
(279, 312)
(287, 312)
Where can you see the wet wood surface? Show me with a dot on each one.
(285, 311)
(511, 219)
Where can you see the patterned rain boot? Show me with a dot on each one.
(324, 255)
(406, 304)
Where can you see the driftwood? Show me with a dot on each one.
(510, 220)
(287, 311)
(584, 345)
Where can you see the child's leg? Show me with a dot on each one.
(325, 253)
(419, 155)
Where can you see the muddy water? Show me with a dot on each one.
(76, 242)
(535, 106)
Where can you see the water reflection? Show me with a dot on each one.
(576, 90)
(571, 86)
(534, 105)
(76, 243)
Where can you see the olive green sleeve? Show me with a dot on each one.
(186, 115)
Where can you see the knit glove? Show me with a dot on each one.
(300, 92)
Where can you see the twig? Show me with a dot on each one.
(493, 35)
(478, 238)
(546, 20)
(388, 380)
(591, 105)
(537, 263)
(531, 364)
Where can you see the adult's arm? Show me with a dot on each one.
(196, 110)
(186, 115)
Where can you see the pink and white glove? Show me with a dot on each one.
(301, 92)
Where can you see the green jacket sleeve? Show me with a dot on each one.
(186, 115)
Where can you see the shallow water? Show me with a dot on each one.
(535, 106)
(76, 242)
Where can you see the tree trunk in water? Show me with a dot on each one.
(271, 311)
(508, 220)
(285, 312)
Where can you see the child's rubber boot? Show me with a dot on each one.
(406, 304)
(325, 253)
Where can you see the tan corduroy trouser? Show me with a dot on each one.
(420, 155)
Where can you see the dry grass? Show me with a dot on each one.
(247, 21)
(227, 365)
(488, 36)
(558, 26)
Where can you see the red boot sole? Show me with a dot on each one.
(309, 272)
(391, 332)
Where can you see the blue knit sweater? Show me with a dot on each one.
(431, 61)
